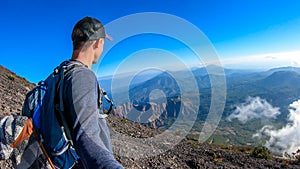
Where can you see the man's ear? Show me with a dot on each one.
(98, 43)
(101, 41)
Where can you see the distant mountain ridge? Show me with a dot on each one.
(282, 79)
(217, 70)
(280, 86)
(289, 68)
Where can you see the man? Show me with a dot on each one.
(82, 97)
(82, 111)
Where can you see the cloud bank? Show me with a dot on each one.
(254, 108)
(286, 139)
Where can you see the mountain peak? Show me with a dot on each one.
(281, 79)
(284, 75)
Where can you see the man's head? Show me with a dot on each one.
(86, 31)
(88, 38)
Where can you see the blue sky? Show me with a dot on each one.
(245, 34)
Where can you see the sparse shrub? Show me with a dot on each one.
(217, 158)
(296, 155)
(194, 145)
(10, 77)
(245, 149)
(178, 132)
(192, 137)
(124, 120)
(286, 162)
(287, 155)
(261, 152)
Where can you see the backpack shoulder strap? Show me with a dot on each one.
(63, 70)
(102, 92)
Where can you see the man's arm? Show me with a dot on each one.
(90, 134)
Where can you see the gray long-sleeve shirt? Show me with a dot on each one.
(89, 131)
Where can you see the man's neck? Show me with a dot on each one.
(84, 57)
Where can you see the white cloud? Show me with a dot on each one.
(264, 61)
(254, 108)
(287, 138)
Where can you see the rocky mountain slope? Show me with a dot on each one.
(13, 90)
(128, 140)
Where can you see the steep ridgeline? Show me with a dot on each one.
(13, 89)
(156, 102)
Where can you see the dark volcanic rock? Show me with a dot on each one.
(13, 89)
(185, 154)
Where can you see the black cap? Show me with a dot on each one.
(91, 29)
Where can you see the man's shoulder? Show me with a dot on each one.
(78, 70)
(81, 79)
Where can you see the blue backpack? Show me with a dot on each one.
(43, 116)
(44, 105)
